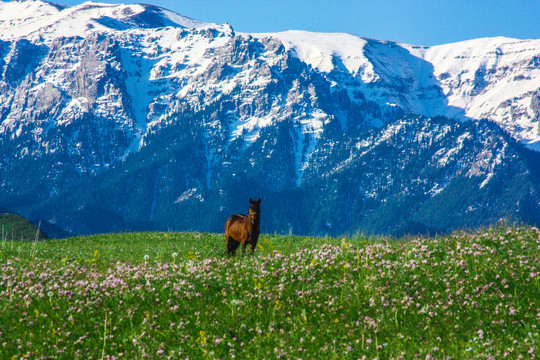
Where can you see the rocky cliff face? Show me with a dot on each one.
(117, 117)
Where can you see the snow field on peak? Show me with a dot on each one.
(19, 10)
(320, 49)
(36, 20)
(43, 20)
(490, 78)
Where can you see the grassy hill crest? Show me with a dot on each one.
(17, 228)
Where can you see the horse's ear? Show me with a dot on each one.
(250, 201)
(259, 200)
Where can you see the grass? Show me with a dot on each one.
(161, 295)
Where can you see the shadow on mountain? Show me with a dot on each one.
(410, 80)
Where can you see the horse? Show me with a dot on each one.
(242, 229)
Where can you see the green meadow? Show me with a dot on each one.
(468, 295)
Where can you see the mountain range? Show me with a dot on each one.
(132, 117)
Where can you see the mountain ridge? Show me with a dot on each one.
(165, 122)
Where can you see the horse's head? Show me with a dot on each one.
(254, 209)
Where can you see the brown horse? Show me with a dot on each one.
(242, 229)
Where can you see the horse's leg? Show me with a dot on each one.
(244, 247)
(229, 244)
(232, 245)
(236, 245)
(254, 243)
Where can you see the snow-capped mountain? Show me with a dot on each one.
(161, 118)
(496, 79)
(44, 22)
(492, 78)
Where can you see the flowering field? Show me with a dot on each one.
(175, 295)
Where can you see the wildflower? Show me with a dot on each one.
(480, 334)
(202, 337)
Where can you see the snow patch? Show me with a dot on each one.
(42, 20)
(188, 194)
(322, 50)
(309, 130)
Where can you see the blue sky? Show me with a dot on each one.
(420, 22)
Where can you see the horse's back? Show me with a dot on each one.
(232, 220)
